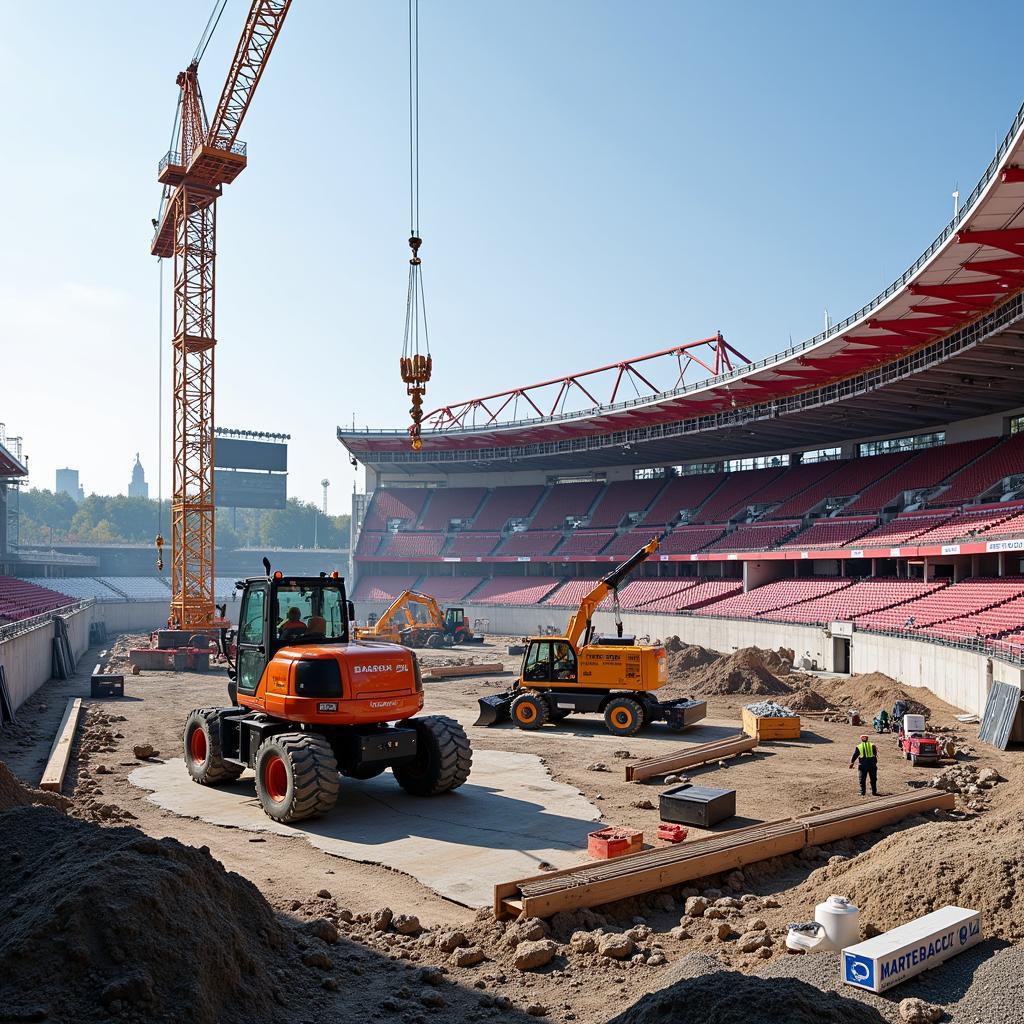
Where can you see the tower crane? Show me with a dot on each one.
(209, 155)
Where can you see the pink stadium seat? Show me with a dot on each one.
(832, 533)
(469, 544)
(505, 503)
(514, 591)
(794, 482)
(904, 529)
(381, 588)
(687, 540)
(22, 600)
(852, 477)
(863, 597)
(530, 542)
(369, 543)
(631, 541)
(682, 493)
(1013, 526)
(622, 497)
(735, 494)
(986, 520)
(569, 593)
(403, 503)
(641, 593)
(447, 589)
(999, 620)
(773, 596)
(969, 597)
(585, 542)
(447, 503)
(564, 500)
(755, 536)
(412, 545)
(1005, 459)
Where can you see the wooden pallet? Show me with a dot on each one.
(60, 752)
(687, 757)
(591, 885)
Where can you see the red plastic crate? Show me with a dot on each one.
(672, 833)
(614, 841)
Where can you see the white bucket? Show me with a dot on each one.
(836, 925)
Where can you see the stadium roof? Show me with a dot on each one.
(944, 341)
(10, 467)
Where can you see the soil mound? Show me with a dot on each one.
(875, 690)
(748, 670)
(683, 658)
(807, 700)
(725, 997)
(14, 793)
(99, 921)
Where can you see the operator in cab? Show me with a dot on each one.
(867, 754)
(292, 624)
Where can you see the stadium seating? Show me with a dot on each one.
(773, 596)
(78, 588)
(1013, 526)
(971, 522)
(21, 600)
(681, 493)
(735, 494)
(505, 503)
(794, 482)
(469, 544)
(703, 592)
(139, 588)
(530, 542)
(412, 545)
(628, 543)
(957, 601)
(1005, 618)
(564, 500)
(403, 503)
(1004, 459)
(569, 593)
(447, 503)
(852, 476)
(622, 497)
(832, 533)
(906, 527)
(685, 540)
(926, 468)
(382, 588)
(585, 542)
(863, 597)
(369, 543)
(447, 589)
(515, 591)
(755, 536)
(641, 593)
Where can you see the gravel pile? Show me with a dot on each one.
(769, 709)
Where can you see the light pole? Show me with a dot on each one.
(325, 483)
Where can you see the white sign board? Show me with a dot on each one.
(888, 959)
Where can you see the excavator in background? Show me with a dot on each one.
(583, 672)
(427, 626)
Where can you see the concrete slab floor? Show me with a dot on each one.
(509, 818)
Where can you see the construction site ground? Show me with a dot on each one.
(567, 774)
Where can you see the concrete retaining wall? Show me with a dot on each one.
(961, 678)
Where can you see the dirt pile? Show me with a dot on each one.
(724, 997)
(149, 928)
(807, 700)
(871, 692)
(748, 670)
(14, 793)
(683, 658)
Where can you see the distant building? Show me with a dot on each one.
(138, 488)
(67, 483)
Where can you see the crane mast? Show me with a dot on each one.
(209, 157)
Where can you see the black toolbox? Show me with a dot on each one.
(697, 805)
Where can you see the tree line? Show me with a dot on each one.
(49, 518)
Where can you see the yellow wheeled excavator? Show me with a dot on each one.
(583, 672)
(416, 620)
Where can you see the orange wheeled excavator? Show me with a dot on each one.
(582, 672)
(309, 704)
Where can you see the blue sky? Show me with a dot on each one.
(599, 179)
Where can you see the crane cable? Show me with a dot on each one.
(416, 366)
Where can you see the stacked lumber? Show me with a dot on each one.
(591, 885)
(687, 757)
(455, 671)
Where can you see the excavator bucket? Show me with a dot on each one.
(495, 709)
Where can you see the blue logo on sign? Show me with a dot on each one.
(963, 935)
(859, 971)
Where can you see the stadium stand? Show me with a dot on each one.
(1010, 527)
(970, 523)
(684, 540)
(773, 596)
(404, 503)
(623, 497)
(369, 543)
(585, 542)
(641, 593)
(448, 503)
(1004, 459)
(138, 588)
(962, 599)
(21, 600)
(832, 533)
(1004, 618)
(448, 588)
(78, 588)
(793, 483)
(564, 500)
(735, 494)
(682, 493)
(927, 468)
(505, 503)
(569, 593)
(906, 527)
(382, 588)
(469, 544)
(625, 544)
(514, 591)
(755, 536)
(530, 542)
(703, 592)
(850, 478)
(863, 597)
(412, 545)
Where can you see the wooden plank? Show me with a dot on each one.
(454, 671)
(687, 757)
(867, 818)
(60, 752)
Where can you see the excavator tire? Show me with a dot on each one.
(201, 740)
(443, 760)
(530, 711)
(296, 776)
(624, 716)
(435, 640)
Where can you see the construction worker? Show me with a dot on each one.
(292, 624)
(867, 754)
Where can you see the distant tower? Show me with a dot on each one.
(67, 483)
(325, 483)
(138, 488)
